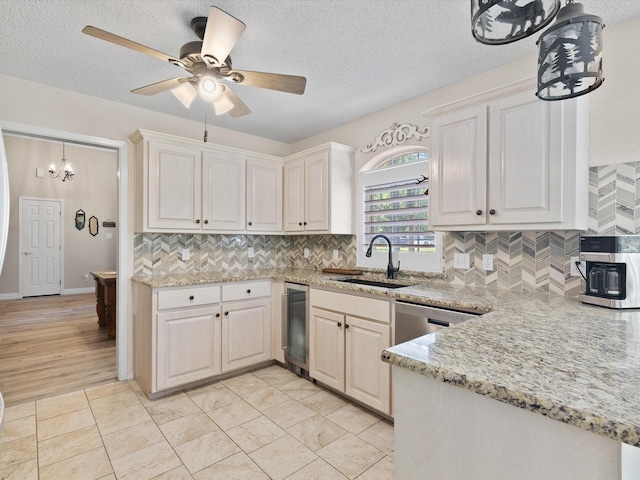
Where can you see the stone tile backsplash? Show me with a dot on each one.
(523, 261)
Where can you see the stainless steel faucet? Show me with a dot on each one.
(391, 272)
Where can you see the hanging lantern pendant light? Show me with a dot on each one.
(570, 58)
(497, 22)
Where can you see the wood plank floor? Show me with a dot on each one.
(52, 345)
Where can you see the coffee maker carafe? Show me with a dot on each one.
(612, 270)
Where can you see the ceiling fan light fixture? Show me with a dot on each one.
(186, 93)
(498, 22)
(208, 88)
(222, 104)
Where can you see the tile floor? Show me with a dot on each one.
(260, 425)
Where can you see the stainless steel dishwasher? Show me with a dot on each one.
(414, 320)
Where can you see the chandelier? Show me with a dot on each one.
(65, 172)
(570, 58)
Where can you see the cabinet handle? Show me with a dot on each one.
(206, 221)
(198, 221)
(346, 325)
(191, 297)
(478, 212)
(217, 315)
(250, 223)
(248, 290)
(492, 212)
(226, 314)
(339, 324)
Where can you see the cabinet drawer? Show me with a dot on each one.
(188, 297)
(245, 290)
(364, 307)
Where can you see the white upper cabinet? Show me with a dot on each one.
(318, 190)
(506, 160)
(264, 195)
(186, 186)
(223, 187)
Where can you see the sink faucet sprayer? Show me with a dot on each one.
(391, 272)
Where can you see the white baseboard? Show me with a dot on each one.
(73, 291)
(9, 296)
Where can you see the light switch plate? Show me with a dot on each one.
(336, 255)
(185, 254)
(305, 253)
(251, 252)
(487, 261)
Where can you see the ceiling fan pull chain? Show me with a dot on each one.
(206, 134)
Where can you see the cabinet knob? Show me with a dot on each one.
(250, 223)
(305, 223)
(248, 290)
(339, 324)
(478, 212)
(206, 221)
(300, 223)
(226, 314)
(198, 221)
(191, 297)
(492, 212)
(346, 325)
(217, 315)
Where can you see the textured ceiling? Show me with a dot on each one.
(359, 56)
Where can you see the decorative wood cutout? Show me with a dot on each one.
(80, 219)
(93, 226)
(396, 135)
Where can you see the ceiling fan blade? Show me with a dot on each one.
(220, 36)
(162, 86)
(123, 42)
(272, 81)
(239, 108)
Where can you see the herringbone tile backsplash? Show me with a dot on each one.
(523, 261)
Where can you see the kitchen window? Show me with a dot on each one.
(393, 203)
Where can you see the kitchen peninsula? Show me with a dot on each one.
(572, 370)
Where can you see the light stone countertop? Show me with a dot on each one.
(572, 362)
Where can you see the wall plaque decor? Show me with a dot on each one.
(109, 224)
(80, 218)
(396, 135)
(93, 226)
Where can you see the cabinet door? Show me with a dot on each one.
(316, 187)
(458, 168)
(188, 346)
(223, 192)
(326, 348)
(264, 195)
(246, 334)
(368, 378)
(526, 161)
(294, 181)
(174, 187)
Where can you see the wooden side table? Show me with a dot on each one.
(106, 300)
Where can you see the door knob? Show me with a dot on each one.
(26, 253)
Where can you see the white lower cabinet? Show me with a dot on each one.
(188, 334)
(188, 346)
(345, 347)
(246, 333)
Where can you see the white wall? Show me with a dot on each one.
(94, 189)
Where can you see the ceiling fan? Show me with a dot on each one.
(208, 62)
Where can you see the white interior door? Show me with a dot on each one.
(40, 247)
(4, 201)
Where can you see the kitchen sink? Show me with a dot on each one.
(370, 283)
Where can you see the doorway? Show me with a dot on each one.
(41, 247)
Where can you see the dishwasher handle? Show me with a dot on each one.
(285, 320)
(439, 323)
